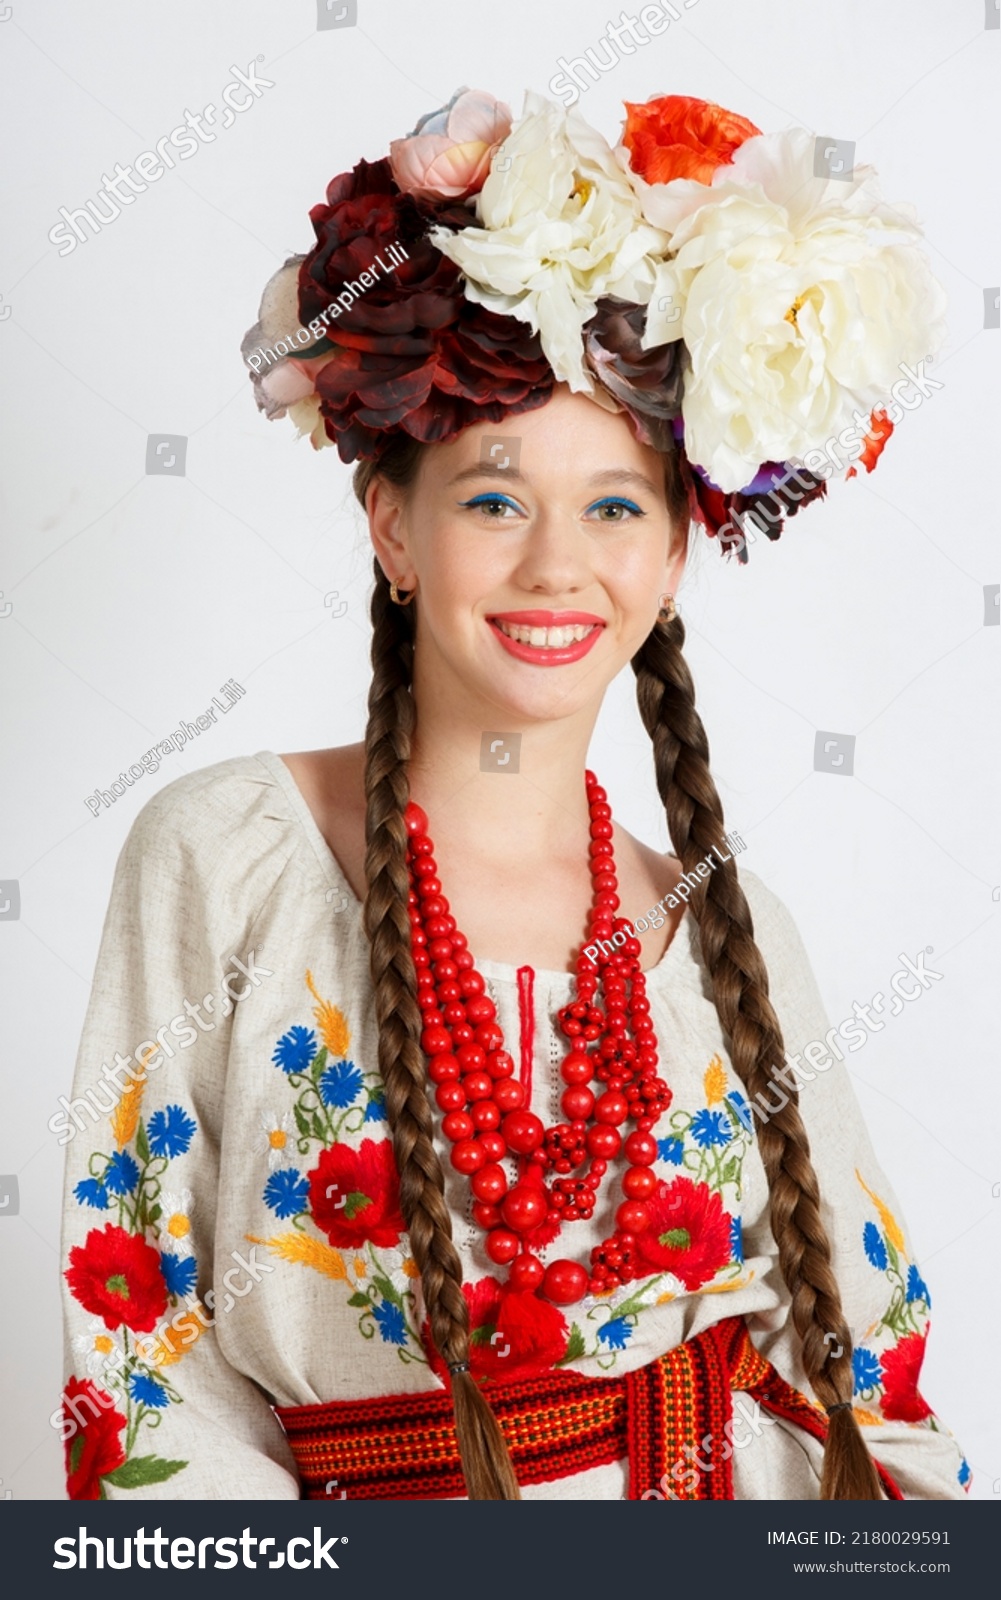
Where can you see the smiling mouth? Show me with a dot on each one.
(545, 638)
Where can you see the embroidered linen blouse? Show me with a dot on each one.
(232, 1230)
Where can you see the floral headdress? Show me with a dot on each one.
(737, 300)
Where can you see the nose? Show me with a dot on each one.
(556, 555)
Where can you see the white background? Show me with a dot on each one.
(135, 597)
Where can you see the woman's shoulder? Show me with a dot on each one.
(221, 818)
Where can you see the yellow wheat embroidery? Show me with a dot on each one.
(125, 1117)
(311, 1252)
(173, 1341)
(729, 1286)
(714, 1082)
(331, 1022)
(886, 1216)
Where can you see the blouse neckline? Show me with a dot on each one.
(495, 971)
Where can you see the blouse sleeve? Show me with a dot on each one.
(884, 1296)
(151, 1408)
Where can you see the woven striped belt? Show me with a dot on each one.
(668, 1418)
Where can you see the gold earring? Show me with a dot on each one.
(394, 595)
(669, 611)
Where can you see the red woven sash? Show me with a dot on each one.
(668, 1418)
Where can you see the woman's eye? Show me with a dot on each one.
(493, 506)
(613, 510)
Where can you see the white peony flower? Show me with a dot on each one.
(561, 226)
(799, 297)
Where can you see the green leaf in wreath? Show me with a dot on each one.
(483, 1335)
(135, 1474)
(317, 1128)
(142, 1145)
(76, 1450)
(730, 1171)
(301, 1120)
(362, 1301)
(155, 1213)
(318, 1062)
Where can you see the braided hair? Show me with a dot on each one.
(666, 696)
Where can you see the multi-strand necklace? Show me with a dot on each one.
(610, 1073)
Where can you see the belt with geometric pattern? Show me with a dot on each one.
(672, 1420)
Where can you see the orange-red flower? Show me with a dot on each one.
(354, 1195)
(116, 1275)
(95, 1446)
(874, 443)
(511, 1335)
(901, 1401)
(677, 136)
(689, 1232)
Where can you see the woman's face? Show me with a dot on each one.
(540, 548)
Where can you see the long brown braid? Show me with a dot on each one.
(666, 696)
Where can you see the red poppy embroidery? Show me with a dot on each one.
(511, 1336)
(95, 1447)
(901, 1365)
(689, 1232)
(354, 1195)
(116, 1275)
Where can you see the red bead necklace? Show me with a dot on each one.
(612, 1044)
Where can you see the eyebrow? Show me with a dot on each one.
(611, 475)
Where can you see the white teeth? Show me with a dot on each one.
(546, 638)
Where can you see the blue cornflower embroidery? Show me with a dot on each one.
(964, 1474)
(391, 1323)
(741, 1110)
(670, 1150)
(375, 1111)
(875, 1249)
(90, 1192)
(170, 1132)
(180, 1273)
(917, 1289)
(709, 1128)
(122, 1174)
(340, 1083)
(286, 1192)
(736, 1239)
(295, 1050)
(867, 1369)
(616, 1333)
(147, 1391)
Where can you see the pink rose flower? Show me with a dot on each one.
(447, 157)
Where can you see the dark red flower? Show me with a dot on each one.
(511, 1336)
(116, 1275)
(901, 1401)
(354, 1195)
(677, 136)
(94, 1448)
(689, 1232)
(410, 353)
(740, 517)
(648, 383)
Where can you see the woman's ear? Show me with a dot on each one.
(384, 506)
(677, 556)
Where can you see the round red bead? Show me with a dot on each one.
(524, 1209)
(577, 1102)
(473, 1059)
(489, 1184)
(499, 1064)
(471, 982)
(485, 1114)
(468, 1156)
(451, 1096)
(523, 1131)
(641, 1149)
(492, 1144)
(502, 1246)
(480, 1009)
(509, 1094)
(603, 1141)
(415, 818)
(612, 1108)
(632, 1217)
(576, 1069)
(485, 1216)
(526, 1273)
(564, 1283)
(434, 1041)
(443, 1069)
(457, 1125)
(478, 1085)
(638, 1183)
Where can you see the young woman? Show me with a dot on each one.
(458, 1142)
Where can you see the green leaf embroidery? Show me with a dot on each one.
(355, 1202)
(142, 1145)
(575, 1347)
(362, 1301)
(301, 1120)
(135, 1474)
(155, 1213)
(386, 1289)
(318, 1130)
(483, 1335)
(319, 1061)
